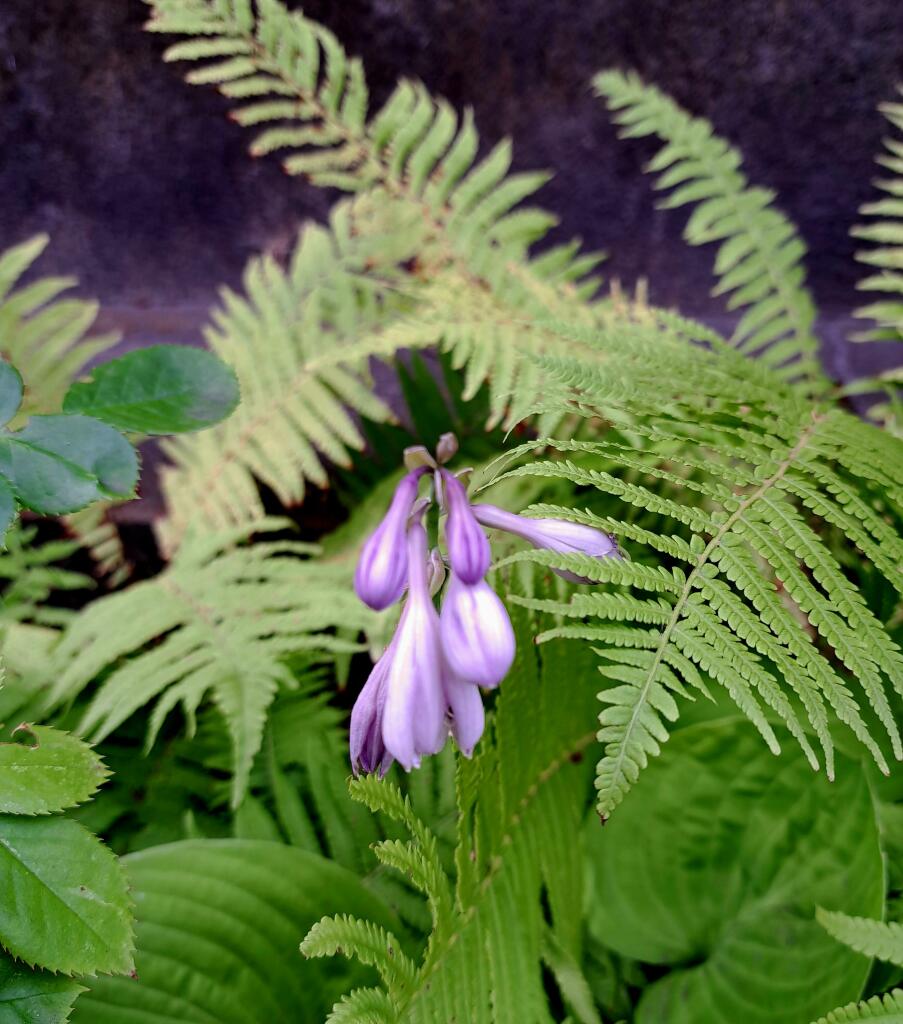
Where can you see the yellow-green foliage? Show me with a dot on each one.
(885, 231)
(759, 258)
(741, 480)
(218, 622)
(44, 336)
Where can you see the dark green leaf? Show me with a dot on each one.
(58, 464)
(52, 772)
(63, 899)
(164, 389)
(718, 860)
(219, 926)
(10, 391)
(29, 996)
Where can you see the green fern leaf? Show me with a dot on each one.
(219, 621)
(887, 1008)
(759, 259)
(880, 939)
(44, 336)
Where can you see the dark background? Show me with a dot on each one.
(151, 199)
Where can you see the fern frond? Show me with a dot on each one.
(45, 336)
(366, 941)
(310, 100)
(99, 535)
(751, 595)
(520, 801)
(885, 231)
(293, 342)
(218, 622)
(759, 259)
(30, 574)
(888, 1008)
(880, 939)
(415, 153)
(363, 1006)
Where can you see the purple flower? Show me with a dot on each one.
(466, 711)
(380, 575)
(477, 637)
(413, 716)
(552, 534)
(368, 751)
(468, 546)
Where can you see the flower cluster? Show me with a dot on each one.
(427, 683)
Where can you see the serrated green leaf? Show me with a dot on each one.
(64, 904)
(58, 464)
(717, 861)
(10, 391)
(219, 925)
(51, 773)
(164, 389)
(29, 996)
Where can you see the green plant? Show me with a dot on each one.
(760, 524)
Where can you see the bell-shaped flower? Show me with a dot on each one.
(477, 636)
(413, 719)
(465, 705)
(468, 545)
(553, 534)
(379, 579)
(368, 751)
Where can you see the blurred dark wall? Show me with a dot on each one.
(151, 199)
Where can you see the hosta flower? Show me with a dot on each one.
(413, 717)
(552, 534)
(468, 546)
(465, 705)
(379, 579)
(427, 683)
(477, 637)
(368, 751)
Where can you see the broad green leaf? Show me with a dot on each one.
(63, 899)
(52, 772)
(29, 996)
(716, 864)
(164, 389)
(219, 926)
(58, 464)
(10, 392)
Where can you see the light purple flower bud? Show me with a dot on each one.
(468, 546)
(553, 534)
(477, 636)
(368, 751)
(380, 575)
(466, 708)
(413, 722)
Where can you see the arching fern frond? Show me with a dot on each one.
(294, 340)
(888, 1008)
(218, 623)
(759, 260)
(43, 335)
(738, 486)
(521, 801)
(880, 939)
(885, 231)
(296, 85)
